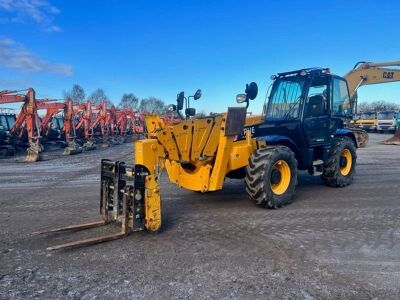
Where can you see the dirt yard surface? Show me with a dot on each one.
(330, 243)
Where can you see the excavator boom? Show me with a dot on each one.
(367, 73)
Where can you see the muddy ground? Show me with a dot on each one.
(331, 243)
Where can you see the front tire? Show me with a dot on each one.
(339, 170)
(271, 176)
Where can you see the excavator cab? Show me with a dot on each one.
(7, 121)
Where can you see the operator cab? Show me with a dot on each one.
(7, 121)
(56, 128)
(304, 111)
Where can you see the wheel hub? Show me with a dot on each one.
(343, 161)
(280, 177)
(275, 176)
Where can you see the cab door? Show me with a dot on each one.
(316, 116)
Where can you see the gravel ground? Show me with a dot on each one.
(341, 243)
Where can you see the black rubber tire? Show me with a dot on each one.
(331, 175)
(258, 176)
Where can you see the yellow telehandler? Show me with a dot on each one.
(302, 129)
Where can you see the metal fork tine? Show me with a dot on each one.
(87, 242)
(74, 227)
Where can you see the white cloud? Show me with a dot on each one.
(16, 56)
(40, 11)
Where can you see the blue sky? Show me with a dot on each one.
(158, 48)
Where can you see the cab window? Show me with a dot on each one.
(317, 98)
(3, 123)
(340, 98)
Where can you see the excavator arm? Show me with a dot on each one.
(367, 73)
(52, 108)
(27, 117)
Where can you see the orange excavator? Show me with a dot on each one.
(67, 127)
(104, 123)
(27, 121)
(84, 112)
(129, 122)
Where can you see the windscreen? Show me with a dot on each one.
(61, 121)
(54, 124)
(11, 121)
(3, 123)
(285, 99)
(386, 115)
(341, 106)
(367, 116)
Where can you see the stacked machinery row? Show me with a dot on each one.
(75, 126)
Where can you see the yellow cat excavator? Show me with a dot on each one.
(367, 73)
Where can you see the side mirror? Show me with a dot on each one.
(251, 90)
(240, 98)
(191, 112)
(179, 101)
(197, 95)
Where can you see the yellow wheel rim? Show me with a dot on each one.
(280, 185)
(346, 162)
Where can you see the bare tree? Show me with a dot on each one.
(201, 114)
(129, 101)
(377, 106)
(152, 105)
(99, 95)
(77, 93)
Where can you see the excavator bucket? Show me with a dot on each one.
(361, 135)
(34, 152)
(89, 145)
(72, 148)
(121, 139)
(106, 142)
(117, 205)
(395, 140)
(114, 140)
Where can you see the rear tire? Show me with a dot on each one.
(271, 176)
(339, 170)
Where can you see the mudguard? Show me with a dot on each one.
(347, 132)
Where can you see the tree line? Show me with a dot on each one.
(151, 105)
(377, 106)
